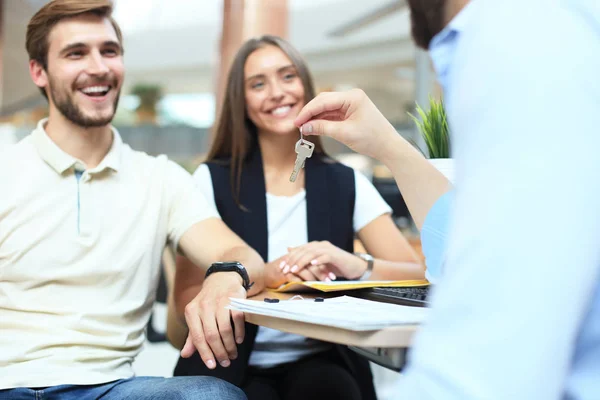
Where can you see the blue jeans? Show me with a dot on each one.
(178, 388)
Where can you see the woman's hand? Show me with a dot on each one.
(275, 276)
(324, 261)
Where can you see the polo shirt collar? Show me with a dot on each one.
(61, 161)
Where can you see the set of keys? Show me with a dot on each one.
(304, 149)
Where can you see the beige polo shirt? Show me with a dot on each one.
(79, 258)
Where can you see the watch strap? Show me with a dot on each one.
(369, 259)
(232, 266)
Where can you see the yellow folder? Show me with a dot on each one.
(346, 285)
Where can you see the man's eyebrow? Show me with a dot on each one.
(72, 46)
(112, 43)
(79, 45)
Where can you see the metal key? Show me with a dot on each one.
(304, 150)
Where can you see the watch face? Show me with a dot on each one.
(228, 264)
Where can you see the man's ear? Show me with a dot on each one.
(38, 74)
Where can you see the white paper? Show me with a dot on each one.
(342, 312)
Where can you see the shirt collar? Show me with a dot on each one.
(442, 46)
(61, 161)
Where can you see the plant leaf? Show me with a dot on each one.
(434, 128)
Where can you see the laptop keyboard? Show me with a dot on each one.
(408, 296)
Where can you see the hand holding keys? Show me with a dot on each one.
(304, 149)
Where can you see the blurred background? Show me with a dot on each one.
(177, 53)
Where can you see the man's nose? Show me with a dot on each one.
(97, 65)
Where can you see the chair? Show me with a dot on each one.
(165, 285)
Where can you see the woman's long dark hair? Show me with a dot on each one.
(234, 132)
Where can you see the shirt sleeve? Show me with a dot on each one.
(203, 181)
(187, 204)
(522, 262)
(434, 236)
(369, 204)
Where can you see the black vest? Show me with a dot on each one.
(330, 197)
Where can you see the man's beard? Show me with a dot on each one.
(65, 103)
(427, 19)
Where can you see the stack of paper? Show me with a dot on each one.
(342, 312)
(346, 285)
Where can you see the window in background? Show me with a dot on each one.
(196, 110)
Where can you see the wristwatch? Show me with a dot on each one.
(369, 259)
(230, 266)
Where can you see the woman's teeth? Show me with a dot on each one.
(281, 110)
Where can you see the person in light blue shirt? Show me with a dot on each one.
(516, 309)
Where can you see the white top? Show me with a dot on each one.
(516, 314)
(287, 227)
(79, 258)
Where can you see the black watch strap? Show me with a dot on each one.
(231, 266)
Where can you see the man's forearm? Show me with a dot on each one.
(420, 183)
(393, 270)
(211, 240)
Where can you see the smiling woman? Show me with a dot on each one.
(291, 224)
(269, 83)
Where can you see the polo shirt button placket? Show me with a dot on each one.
(86, 206)
(82, 200)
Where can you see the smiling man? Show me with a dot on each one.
(83, 222)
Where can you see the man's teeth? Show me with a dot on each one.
(95, 89)
(281, 110)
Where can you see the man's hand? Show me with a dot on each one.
(351, 118)
(209, 322)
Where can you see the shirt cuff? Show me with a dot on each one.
(434, 234)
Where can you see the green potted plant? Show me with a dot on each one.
(149, 95)
(434, 129)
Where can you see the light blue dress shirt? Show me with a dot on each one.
(434, 234)
(516, 313)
